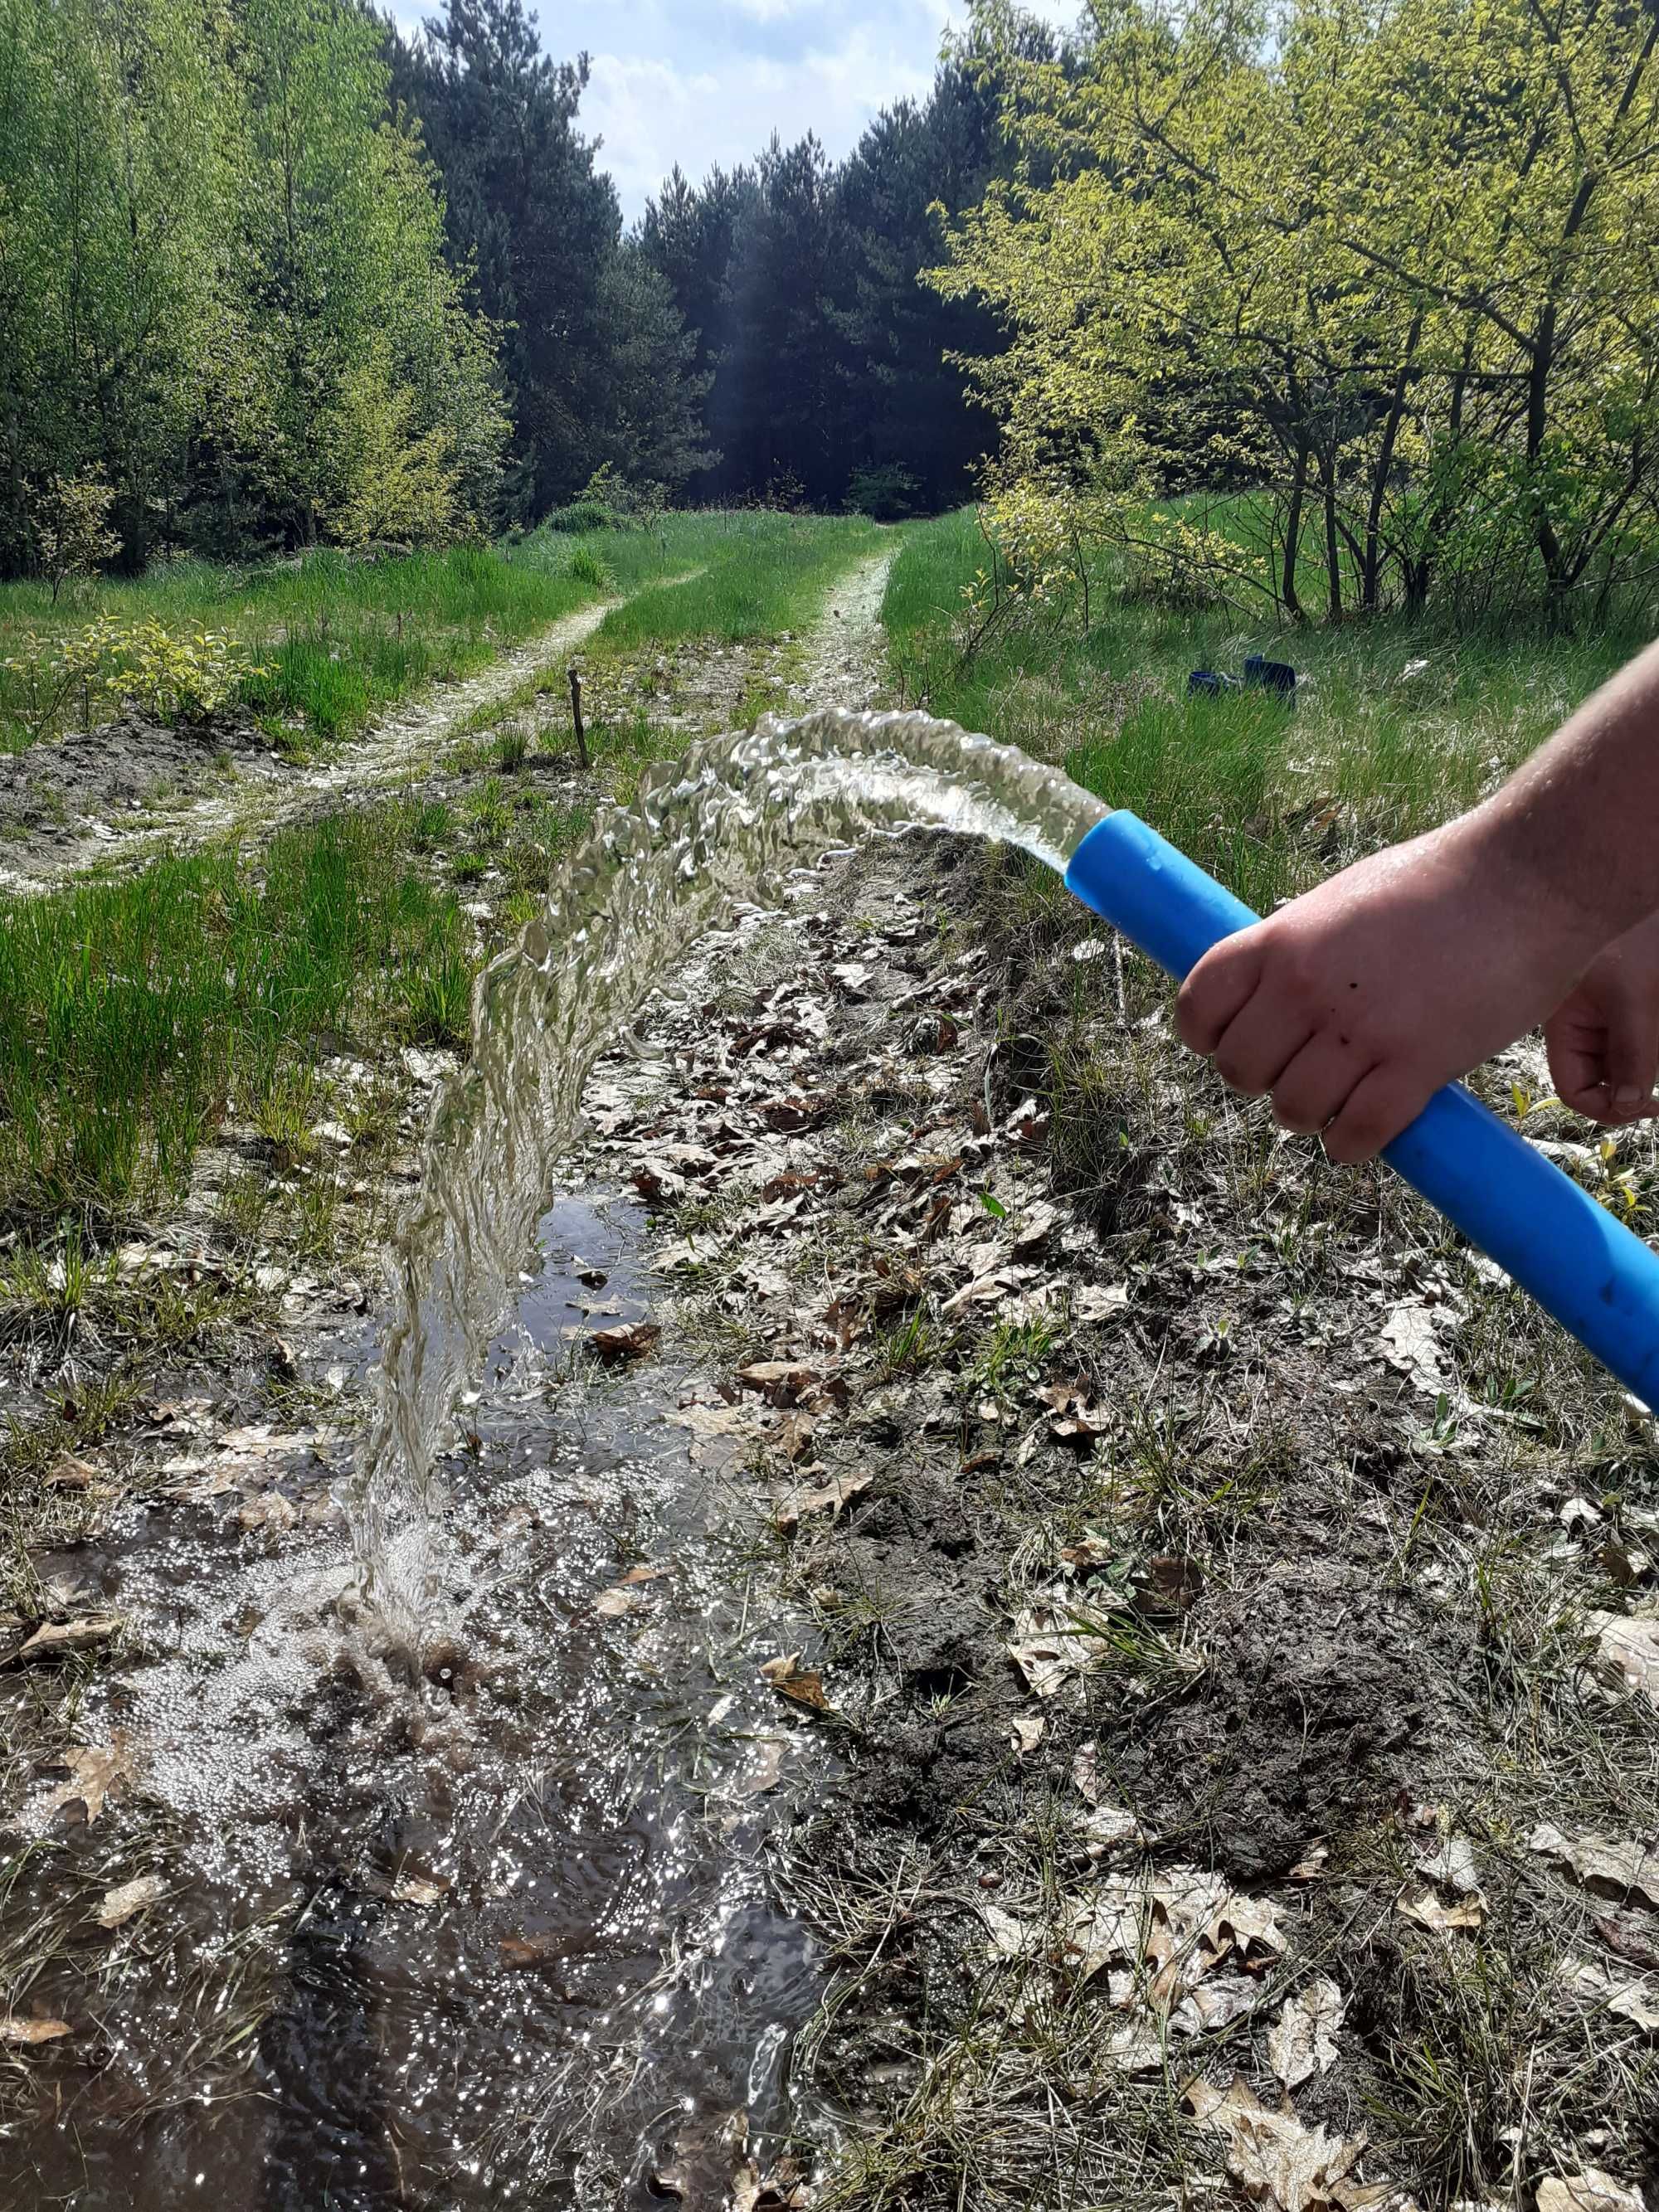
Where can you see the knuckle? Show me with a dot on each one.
(1297, 976)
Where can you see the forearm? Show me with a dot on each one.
(1578, 823)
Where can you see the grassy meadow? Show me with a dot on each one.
(333, 640)
(1398, 723)
(143, 1011)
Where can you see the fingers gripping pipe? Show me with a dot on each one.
(1598, 1279)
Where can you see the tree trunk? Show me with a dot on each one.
(1332, 551)
(1293, 537)
(1371, 562)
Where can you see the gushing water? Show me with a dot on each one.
(720, 824)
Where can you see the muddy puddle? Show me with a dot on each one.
(505, 1937)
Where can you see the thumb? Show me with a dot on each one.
(1632, 1056)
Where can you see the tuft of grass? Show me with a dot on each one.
(436, 1002)
(141, 1012)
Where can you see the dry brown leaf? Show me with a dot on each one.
(272, 1511)
(83, 1634)
(1592, 2191)
(1009, 1937)
(1087, 1553)
(655, 1179)
(1627, 1649)
(764, 1772)
(1636, 2001)
(215, 1482)
(95, 1769)
(1411, 1342)
(621, 1598)
(1273, 2157)
(1079, 1424)
(1168, 1585)
(781, 1382)
(1105, 1928)
(34, 2031)
(1626, 1872)
(1218, 2001)
(794, 1437)
(416, 1889)
(1049, 1646)
(1025, 1731)
(1099, 1301)
(227, 1455)
(1249, 1925)
(689, 1253)
(1111, 1828)
(792, 1680)
(631, 1341)
(787, 1115)
(1033, 1230)
(719, 1431)
(72, 1474)
(783, 2190)
(120, 1904)
(1450, 1864)
(1429, 1912)
(1301, 2042)
(799, 1506)
(533, 1950)
(1183, 1937)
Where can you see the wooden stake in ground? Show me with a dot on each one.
(576, 716)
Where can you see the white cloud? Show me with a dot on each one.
(651, 113)
(700, 82)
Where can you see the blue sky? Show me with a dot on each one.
(698, 81)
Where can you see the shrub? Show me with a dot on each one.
(886, 493)
(71, 528)
(583, 519)
(173, 677)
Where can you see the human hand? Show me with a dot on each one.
(1603, 1039)
(1353, 1005)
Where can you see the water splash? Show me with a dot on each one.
(722, 823)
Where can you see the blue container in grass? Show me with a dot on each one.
(1599, 1280)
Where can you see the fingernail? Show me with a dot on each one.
(1628, 1095)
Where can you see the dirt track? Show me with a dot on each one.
(68, 807)
(1182, 1674)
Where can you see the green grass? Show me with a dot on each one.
(762, 573)
(139, 1013)
(339, 638)
(725, 579)
(136, 1016)
(1399, 724)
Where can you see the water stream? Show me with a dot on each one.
(494, 1922)
(721, 822)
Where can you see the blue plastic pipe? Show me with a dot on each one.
(1598, 1279)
